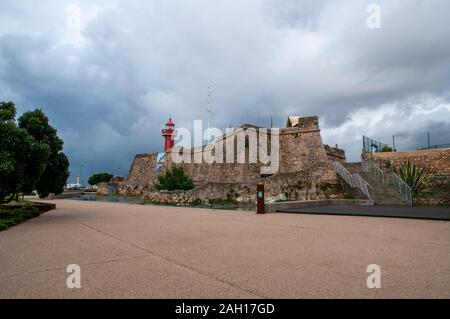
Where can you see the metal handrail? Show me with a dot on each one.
(377, 173)
(354, 180)
(401, 187)
(388, 179)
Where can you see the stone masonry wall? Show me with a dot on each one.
(279, 187)
(436, 163)
(335, 154)
(218, 172)
(102, 188)
(300, 149)
(305, 165)
(141, 176)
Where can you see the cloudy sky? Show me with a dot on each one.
(109, 73)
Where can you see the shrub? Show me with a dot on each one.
(386, 149)
(388, 164)
(174, 179)
(9, 218)
(412, 175)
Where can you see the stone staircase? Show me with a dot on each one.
(381, 194)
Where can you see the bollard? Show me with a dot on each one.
(260, 199)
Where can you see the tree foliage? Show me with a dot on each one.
(174, 179)
(55, 175)
(15, 146)
(7, 111)
(31, 156)
(55, 172)
(100, 178)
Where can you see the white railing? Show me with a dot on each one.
(354, 180)
(388, 179)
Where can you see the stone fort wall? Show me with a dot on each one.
(141, 176)
(305, 166)
(335, 154)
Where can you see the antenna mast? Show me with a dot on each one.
(209, 110)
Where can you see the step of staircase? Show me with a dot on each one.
(354, 168)
(381, 194)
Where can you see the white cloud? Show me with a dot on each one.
(406, 119)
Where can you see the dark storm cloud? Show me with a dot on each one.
(110, 85)
(438, 131)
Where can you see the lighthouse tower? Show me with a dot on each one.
(168, 132)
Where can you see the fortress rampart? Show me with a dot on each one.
(305, 169)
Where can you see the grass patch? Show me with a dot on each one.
(12, 217)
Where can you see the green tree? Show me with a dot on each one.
(55, 171)
(7, 111)
(174, 179)
(99, 178)
(30, 154)
(15, 146)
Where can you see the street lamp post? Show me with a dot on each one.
(81, 168)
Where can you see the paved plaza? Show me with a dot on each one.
(142, 251)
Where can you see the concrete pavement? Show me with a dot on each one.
(136, 251)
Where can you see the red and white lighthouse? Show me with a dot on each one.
(168, 132)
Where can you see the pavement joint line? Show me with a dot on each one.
(257, 294)
(415, 270)
(223, 219)
(312, 228)
(82, 264)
